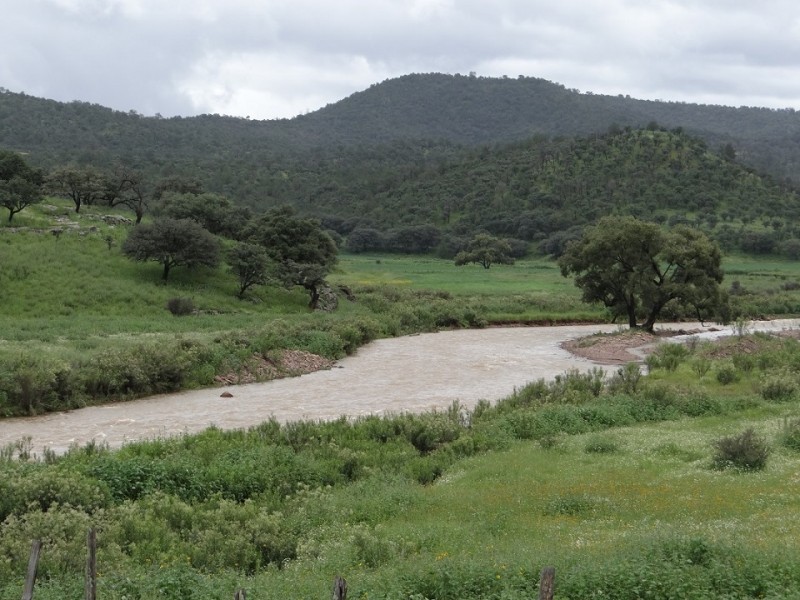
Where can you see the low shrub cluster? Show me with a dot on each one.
(746, 451)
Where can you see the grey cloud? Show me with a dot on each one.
(257, 56)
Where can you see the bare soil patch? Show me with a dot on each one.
(619, 348)
(290, 363)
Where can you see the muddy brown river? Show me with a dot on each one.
(408, 374)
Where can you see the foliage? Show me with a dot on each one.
(280, 506)
(180, 307)
(250, 264)
(83, 185)
(303, 252)
(485, 250)
(636, 270)
(789, 436)
(746, 451)
(172, 243)
(20, 184)
(214, 212)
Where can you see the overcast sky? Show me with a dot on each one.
(279, 58)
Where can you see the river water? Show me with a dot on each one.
(407, 374)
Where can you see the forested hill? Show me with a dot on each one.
(543, 190)
(442, 110)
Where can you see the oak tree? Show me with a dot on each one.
(636, 269)
(172, 243)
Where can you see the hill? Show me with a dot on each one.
(540, 190)
(445, 110)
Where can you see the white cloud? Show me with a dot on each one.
(275, 85)
(276, 58)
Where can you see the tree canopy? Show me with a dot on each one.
(20, 185)
(636, 269)
(173, 243)
(83, 185)
(486, 250)
(303, 252)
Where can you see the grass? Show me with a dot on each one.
(528, 276)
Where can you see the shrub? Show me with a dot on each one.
(789, 436)
(701, 366)
(180, 306)
(667, 356)
(571, 505)
(778, 387)
(747, 451)
(626, 379)
(727, 374)
(601, 444)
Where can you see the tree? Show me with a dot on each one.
(128, 187)
(83, 185)
(250, 264)
(20, 185)
(214, 212)
(173, 243)
(301, 249)
(485, 250)
(636, 269)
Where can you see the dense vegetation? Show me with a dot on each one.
(631, 487)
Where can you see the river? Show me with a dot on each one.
(408, 374)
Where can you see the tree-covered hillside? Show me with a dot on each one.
(445, 109)
(543, 190)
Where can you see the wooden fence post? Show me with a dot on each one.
(547, 583)
(339, 588)
(90, 592)
(33, 565)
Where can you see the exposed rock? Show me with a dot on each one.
(226, 395)
(291, 363)
(328, 300)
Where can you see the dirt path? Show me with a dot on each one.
(414, 373)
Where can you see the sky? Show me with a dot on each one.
(269, 59)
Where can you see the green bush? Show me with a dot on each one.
(701, 365)
(789, 436)
(746, 451)
(571, 505)
(601, 444)
(727, 374)
(626, 380)
(778, 387)
(180, 307)
(31, 383)
(667, 356)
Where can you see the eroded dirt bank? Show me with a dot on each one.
(414, 373)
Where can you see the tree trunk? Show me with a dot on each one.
(165, 274)
(314, 301)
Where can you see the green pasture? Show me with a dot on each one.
(529, 276)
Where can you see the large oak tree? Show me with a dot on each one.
(302, 251)
(173, 243)
(636, 269)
